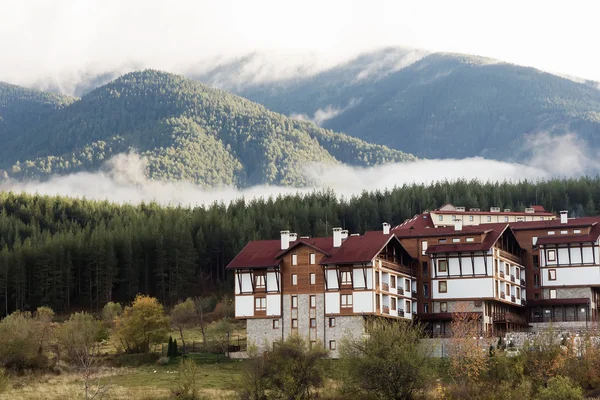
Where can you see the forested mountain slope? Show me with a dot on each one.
(186, 130)
(439, 106)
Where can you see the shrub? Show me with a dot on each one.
(142, 325)
(79, 336)
(187, 380)
(111, 312)
(20, 338)
(560, 388)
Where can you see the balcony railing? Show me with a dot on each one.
(510, 256)
(502, 296)
(523, 302)
(386, 309)
(401, 313)
(512, 278)
(501, 274)
(509, 317)
(522, 282)
(385, 286)
(414, 293)
(392, 265)
(400, 290)
(512, 298)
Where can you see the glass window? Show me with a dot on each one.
(275, 324)
(332, 345)
(313, 258)
(294, 323)
(294, 301)
(260, 304)
(294, 259)
(313, 278)
(551, 255)
(426, 308)
(332, 322)
(551, 274)
(346, 278)
(470, 239)
(489, 219)
(313, 301)
(442, 286)
(393, 303)
(313, 322)
(455, 240)
(260, 281)
(407, 285)
(550, 232)
(424, 247)
(505, 219)
(407, 309)
(443, 306)
(440, 217)
(552, 293)
(442, 266)
(294, 279)
(441, 241)
(470, 218)
(392, 281)
(576, 230)
(346, 300)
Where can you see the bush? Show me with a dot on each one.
(142, 325)
(187, 381)
(111, 312)
(78, 337)
(560, 388)
(20, 339)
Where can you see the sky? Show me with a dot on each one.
(42, 38)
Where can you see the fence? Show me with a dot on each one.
(232, 344)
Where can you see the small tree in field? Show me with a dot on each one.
(389, 363)
(203, 306)
(142, 324)
(111, 312)
(79, 337)
(43, 317)
(19, 341)
(468, 361)
(183, 315)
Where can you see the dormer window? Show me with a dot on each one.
(442, 241)
(550, 232)
(576, 230)
(470, 239)
(455, 240)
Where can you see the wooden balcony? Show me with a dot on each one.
(385, 286)
(510, 257)
(400, 291)
(414, 294)
(396, 267)
(501, 274)
(401, 313)
(513, 299)
(509, 317)
(386, 309)
(522, 282)
(502, 295)
(512, 278)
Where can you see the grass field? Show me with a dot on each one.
(217, 381)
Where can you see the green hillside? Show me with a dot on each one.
(186, 130)
(440, 106)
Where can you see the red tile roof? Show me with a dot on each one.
(566, 239)
(359, 249)
(571, 223)
(519, 213)
(257, 254)
(419, 221)
(492, 234)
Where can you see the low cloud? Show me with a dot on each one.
(325, 114)
(123, 178)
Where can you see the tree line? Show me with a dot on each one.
(75, 254)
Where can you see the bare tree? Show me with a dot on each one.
(183, 315)
(203, 306)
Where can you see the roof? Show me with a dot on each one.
(549, 224)
(492, 234)
(519, 213)
(419, 221)
(467, 230)
(359, 249)
(354, 249)
(567, 239)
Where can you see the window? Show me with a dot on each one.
(313, 343)
(425, 290)
(551, 255)
(313, 278)
(552, 293)
(275, 324)
(442, 266)
(507, 289)
(576, 230)
(440, 217)
(332, 345)
(443, 306)
(346, 300)
(407, 309)
(536, 280)
(518, 270)
(443, 286)
(424, 247)
(393, 303)
(469, 239)
(294, 323)
(441, 241)
(260, 304)
(471, 218)
(392, 281)
(425, 268)
(564, 232)
(294, 301)
(407, 285)
(426, 308)
(518, 293)
(536, 296)
(294, 259)
(313, 258)
(550, 232)
(455, 240)
(346, 278)
(534, 240)
(551, 274)
(294, 279)
(489, 219)
(259, 281)
(505, 219)
(313, 301)
(332, 322)
(313, 322)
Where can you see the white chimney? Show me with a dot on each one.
(564, 216)
(293, 237)
(458, 224)
(344, 234)
(386, 228)
(285, 240)
(337, 237)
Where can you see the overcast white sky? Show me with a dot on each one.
(45, 38)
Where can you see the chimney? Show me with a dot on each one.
(293, 237)
(285, 240)
(337, 237)
(564, 216)
(386, 228)
(344, 235)
(458, 224)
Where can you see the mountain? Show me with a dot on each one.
(185, 129)
(436, 105)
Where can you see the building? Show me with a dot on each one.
(476, 269)
(447, 214)
(322, 288)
